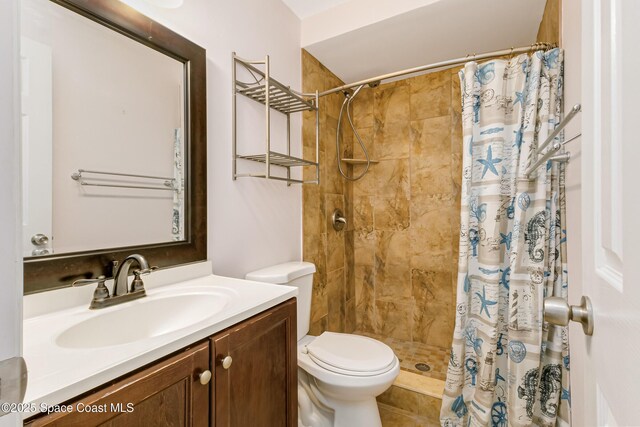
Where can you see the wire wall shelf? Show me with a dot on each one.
(274, 96)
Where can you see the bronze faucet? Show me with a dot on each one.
(121, 291)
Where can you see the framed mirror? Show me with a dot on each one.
(113, 141)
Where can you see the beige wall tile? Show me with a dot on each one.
(392, 271)
(364, 246)
(394, 320)
(336, 300)
(335, 250)
(349, 264)
(313, 250)
(431, 156)
(429, 411)
(319, 326)
(392, 178)
(319, 302)
(313, 208)
(362, 108)
(331, 179)
(430, 248)
(365, 298)
(430, 95)
(433, 316)
(391, 103)
(549, 30)
(427, 210)
(392, 417)
(391, 213)
(350, 316)
(367, 138)
(392, 139)
(401, 398)
(456, 94)
(363, 213)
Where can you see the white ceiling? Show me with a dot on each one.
(306, 8)
(359, 39)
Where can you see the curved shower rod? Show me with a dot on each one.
(448, 63)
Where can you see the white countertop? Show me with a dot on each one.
(58, 373)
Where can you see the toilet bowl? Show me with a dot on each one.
(339, 375)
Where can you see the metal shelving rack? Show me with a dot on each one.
(273, 95)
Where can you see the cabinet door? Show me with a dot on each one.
(169, 393)
(259, 388)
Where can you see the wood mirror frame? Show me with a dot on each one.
(57, 271)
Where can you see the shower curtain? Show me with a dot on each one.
(507, 366)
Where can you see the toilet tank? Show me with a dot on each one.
(298, 274)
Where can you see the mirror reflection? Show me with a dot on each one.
(103, 136)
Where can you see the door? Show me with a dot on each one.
(37, 140)
(173, 392)
(256, 371)
(607, 372)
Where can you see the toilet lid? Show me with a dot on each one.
(351, 354)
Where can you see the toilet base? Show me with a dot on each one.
(318, 410)
(355, 414)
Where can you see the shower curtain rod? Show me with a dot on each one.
(448, 63)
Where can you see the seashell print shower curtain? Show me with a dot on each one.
(508, 367)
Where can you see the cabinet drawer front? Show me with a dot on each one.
(168, 393)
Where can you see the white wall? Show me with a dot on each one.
(571, 41)
(10, 259)
(116, 104)
(252, 222)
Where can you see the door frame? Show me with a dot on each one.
(10, 190)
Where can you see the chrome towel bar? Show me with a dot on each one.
(168, 184)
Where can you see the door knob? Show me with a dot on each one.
(226, 362)
(39, 239)
(205, 377)
(557, 311)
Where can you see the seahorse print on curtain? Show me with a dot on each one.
(508, 367)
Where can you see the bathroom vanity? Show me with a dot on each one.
(199, 383)
(230, 365)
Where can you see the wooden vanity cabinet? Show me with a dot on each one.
(258, 388)
(168, 393)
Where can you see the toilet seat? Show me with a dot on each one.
(352, 355)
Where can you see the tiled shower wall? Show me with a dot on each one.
(333, 304)
(392, 271)
(406, 209)
(549, 30)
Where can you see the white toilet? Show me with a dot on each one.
(339, 375)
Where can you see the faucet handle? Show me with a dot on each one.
(100, 294)
(145, 271)
(82, 282)
(137, 284)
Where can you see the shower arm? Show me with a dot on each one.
(442, 64)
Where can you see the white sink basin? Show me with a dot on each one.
(142, 319)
